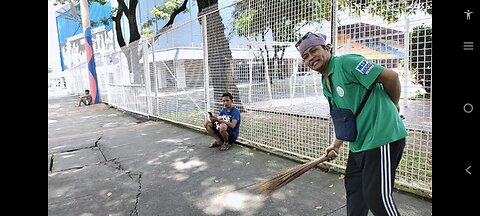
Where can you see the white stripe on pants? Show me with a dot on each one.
(386, 173)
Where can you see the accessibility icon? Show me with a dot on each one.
(468, 12)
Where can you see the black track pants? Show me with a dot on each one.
(369, 180)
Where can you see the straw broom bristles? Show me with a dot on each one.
(275, 182)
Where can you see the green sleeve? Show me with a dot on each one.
(366, 72)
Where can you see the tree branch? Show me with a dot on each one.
(175, 13)
(118, 27)
(121, 4)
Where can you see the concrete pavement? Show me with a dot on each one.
(102, 161)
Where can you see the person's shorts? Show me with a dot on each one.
(232, 137)
(86, 102)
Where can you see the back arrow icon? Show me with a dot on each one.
(467, 170)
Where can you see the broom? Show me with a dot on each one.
(275, 182)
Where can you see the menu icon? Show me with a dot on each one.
(467, 45)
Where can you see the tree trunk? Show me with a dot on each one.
(220, 60)
(131, 52)
(118, 27)
(132, 21)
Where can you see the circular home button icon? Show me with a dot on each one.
(468, 108)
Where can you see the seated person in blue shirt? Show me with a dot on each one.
(225, 127)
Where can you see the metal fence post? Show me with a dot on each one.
(267, 76)
(250, 73)
(108, 88)
(250, 61)
(205, 64)
(155, 75)
(406, 63)
(334, 31)
(123, 73)
(146, 69)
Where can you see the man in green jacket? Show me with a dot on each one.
(375, 154)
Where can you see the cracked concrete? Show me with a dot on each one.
(50, 163)
(134, 176)
(82, 178)
(95, 189)
(137, 167)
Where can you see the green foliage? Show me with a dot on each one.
(421, 55)
(147, 32)
(102, 21)
(146, 25)
(105, 20)
(94, 23)
(262, 16)
(242, 23)
(160, 13)
(102, 2)
(389, 10)
(279, 19)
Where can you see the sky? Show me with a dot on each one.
(53, 50)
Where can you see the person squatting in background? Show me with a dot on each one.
(225, 127)
(85, 99)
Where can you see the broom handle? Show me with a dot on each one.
(319, 160)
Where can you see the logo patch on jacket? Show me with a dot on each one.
(340, 91)
(364, 67)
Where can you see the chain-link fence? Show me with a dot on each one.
(247, 48)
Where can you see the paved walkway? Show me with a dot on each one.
(102, 161)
